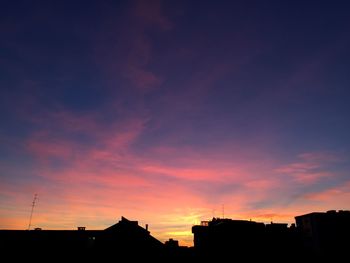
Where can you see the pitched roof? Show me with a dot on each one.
(131, 230)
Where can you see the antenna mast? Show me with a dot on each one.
(31, 212)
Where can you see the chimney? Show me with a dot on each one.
(147, 227)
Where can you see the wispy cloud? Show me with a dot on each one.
(310, 168)
(137, 71)
(334, 196)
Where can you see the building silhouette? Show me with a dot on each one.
(128, 238)
(124, 239)
(315, 236)
(227, 238)
(325, 234)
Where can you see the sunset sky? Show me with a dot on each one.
(166, 111)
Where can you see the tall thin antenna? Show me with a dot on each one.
(223, 211)
(31, 212)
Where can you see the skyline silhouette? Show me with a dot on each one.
(316, 236)
(166, 111)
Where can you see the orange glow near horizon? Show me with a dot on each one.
(97, 186)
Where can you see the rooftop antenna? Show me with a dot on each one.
(31, 212)
(223, 211)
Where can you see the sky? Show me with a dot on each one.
(172, 112)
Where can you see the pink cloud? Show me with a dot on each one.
(54, 140)
(99, 178)
(94, 195)
(310, 168)
(45, 148)
(263, 184)
(300, 167)
(190, 173)
(311, 177)
(334, 195)
(106, 179)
